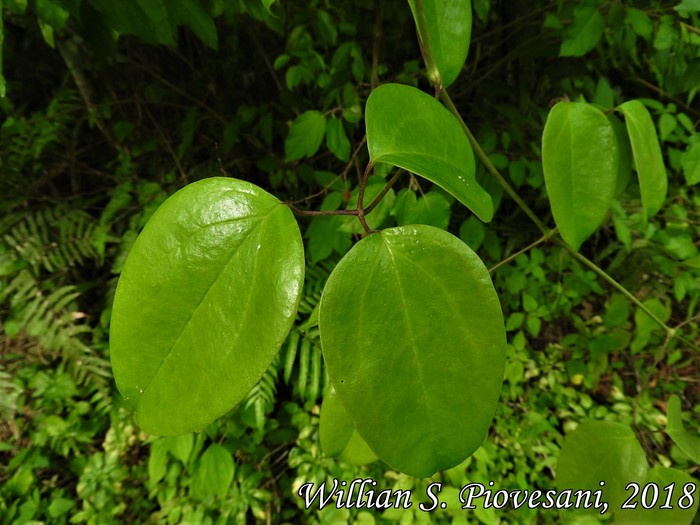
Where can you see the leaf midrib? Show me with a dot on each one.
(233, 255)
(421, 380)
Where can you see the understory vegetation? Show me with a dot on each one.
(97, 131)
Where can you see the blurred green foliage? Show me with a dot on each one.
(112, 106)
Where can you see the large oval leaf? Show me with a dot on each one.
(580, 158)
(206, 297)
(414, 341)
(449, 32)
(669, 488)
(687, 442)
(648, 161)
(337, 433)
(601, 451)
(412, 130)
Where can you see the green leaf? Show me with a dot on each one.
(206, 297)
(412, 130)
(157, 462)
(580, 180)
(213, 473)
(337, 140)
(688, 6)
(641, 23)
(691, 163)
(432, 209)
(337, 433)
(128, 17)
(305, 135)
(419, 311)
(472, 233)
(687, 442)
(648, 161)
(601, 451)
(584, 34)
(449, 24)
(672, 513)
(191, 13)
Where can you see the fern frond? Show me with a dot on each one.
(263, 395)
(50, 318)
(54, 238)
(9, 392)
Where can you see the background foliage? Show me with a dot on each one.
(97, 131)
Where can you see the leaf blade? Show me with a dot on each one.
(441, 346)
(188, 339)
(601, 451)
(648, 161)
(305, 135)
(580, 181)
(410, 129)
(449, 32)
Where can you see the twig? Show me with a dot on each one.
(519, 252)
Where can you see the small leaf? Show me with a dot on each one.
(601, 451)
(337, 140)
(641, 23)
(449, 32)
(580, 180)
(305, 135)
(432, 209)
(213, 473)
(691, 163)
(337, 433)
(672, 512)
(412, 130)
(472, 233)
(584, 34)
(206, 297)
(687, 442)
(419, 311)
(688, 6)
(648, 161)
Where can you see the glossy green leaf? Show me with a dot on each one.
(337, 433)
(414, 342)
(687, 442)
(213, 473)
(668, 494)
(449, 24)
(305, 135)
(206, 297)
(584, 34)
(412, 130)
(580, 180)
(601, 451)
(649, 163)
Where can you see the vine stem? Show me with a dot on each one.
(361, 196)
(426, 47)
(593, 266)
(519, 252)
(547, 232)
(445, 97)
